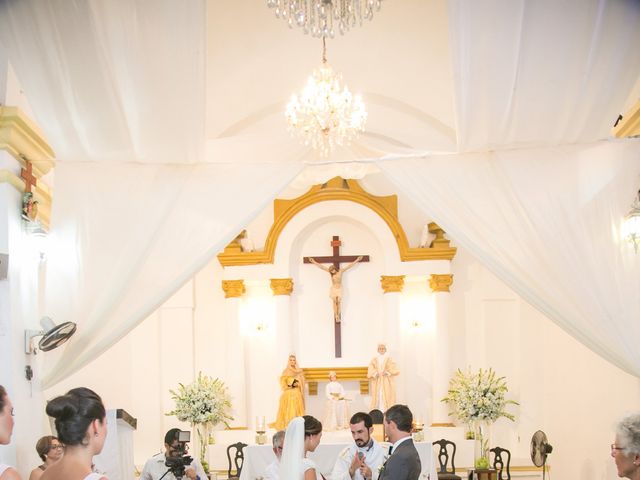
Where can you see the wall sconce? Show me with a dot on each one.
(631, 224)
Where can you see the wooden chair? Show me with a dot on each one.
(444, 473)
(499, 456)
(238, 459)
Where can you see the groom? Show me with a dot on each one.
(404, 462)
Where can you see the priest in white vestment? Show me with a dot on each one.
(381, 371)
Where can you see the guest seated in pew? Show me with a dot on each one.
(363, 459)
(82, 428)
(626, 449)
(6, 429)
(156, 468)
(273, 469)
(50, 450)
(303, 435)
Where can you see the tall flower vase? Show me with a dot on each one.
(203, 431)
(482, 445)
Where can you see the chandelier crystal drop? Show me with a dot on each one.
(321, 18)
(325, 113)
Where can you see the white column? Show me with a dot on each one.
(236, 381)
(392, 287)
(442, 350)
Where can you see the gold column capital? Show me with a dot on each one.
(392, 284)
(233, 288)
(440, 283)
(282, 286)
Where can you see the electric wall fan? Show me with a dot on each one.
(540, 448)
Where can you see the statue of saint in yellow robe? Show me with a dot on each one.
(292, 399)
(381, 372)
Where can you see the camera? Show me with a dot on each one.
(179, 459)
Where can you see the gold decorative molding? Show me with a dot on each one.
(233, 288)
(23, 140)
(392, 284)
(321, 374)
(282, 286)
(440, 283)
(338, 189)
(449, 424)
(629, 126)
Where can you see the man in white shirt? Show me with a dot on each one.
(363, 459)
(156, 466)
(273, 469)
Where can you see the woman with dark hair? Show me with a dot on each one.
(626, 449)
(6, 428)
(49, 450)
(80, 422)
(303, 435)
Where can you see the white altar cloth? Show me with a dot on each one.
(257, 457)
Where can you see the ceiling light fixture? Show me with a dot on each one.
(320, 18)
(631, 224)
(325, 114)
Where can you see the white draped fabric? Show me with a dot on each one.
(142, 199)
(547, 222)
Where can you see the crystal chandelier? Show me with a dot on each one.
(631, 225)
(325, 114)
(320, 18)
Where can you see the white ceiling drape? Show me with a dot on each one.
(546, 221)
(142, 199)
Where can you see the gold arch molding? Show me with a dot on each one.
(338, 189)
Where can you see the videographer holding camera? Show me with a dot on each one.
(174, 463)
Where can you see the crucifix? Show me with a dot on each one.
(27, 175)
(336, 282)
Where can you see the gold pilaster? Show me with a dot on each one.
(441, 283)
(392, 284)
(233, 288)
(282, 286)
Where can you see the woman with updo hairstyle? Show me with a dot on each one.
(626, 449)
(6, 429)
(50, 450)
(303, 435)
(80, 422)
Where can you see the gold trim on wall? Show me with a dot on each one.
(233, 288)
(440, 283)
(23, 140)
(392, 284)
(629, 126)
(321, 374)
(339, 189)
(282, 286)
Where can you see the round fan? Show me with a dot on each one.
(52, 335)
(540, 448)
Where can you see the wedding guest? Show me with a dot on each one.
(50, 450)
(303, 435)
(626, 449)
(81, 426)
(156, 467)
(6, 429)
(273, 469)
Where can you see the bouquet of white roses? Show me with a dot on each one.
(204, 401)
(478, 396)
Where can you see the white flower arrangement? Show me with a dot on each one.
(478, 397)
(205, 401)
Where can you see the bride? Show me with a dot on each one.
(302, 436)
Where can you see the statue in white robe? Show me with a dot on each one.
(336, 412)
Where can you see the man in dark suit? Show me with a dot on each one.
(404, 462)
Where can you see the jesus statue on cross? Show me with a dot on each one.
(335, 293)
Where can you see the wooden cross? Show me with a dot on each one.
(336, 259)
(29, 178)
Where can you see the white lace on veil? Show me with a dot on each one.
(293, 452)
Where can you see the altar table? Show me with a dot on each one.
(258, 457)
